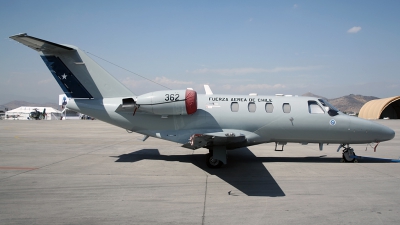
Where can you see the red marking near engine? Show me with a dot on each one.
(191, 101)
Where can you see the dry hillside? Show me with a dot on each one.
(349, 103)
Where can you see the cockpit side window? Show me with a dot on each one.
(314, 108)
(332, 110)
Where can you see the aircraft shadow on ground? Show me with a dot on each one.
(251, 177)
(244, 170)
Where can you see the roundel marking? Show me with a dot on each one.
(332, 122)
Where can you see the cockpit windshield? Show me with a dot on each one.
(327, 104)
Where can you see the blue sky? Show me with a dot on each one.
(330, 48)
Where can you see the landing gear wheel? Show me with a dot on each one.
(348, 155)
(213, 163)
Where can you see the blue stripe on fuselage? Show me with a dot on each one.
(65, 78)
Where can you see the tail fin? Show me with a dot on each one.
(76, 73)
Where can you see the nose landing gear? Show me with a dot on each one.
(348, 154)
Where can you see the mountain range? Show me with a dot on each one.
(349, 103)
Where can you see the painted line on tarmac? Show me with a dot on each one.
(17, 168)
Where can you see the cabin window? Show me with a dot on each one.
(286, 108)
(252, 107)
(234, 107)
(269, 108)
(313, 107)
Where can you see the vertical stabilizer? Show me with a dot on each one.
(76, 73)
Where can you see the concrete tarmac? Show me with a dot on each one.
(89, 172)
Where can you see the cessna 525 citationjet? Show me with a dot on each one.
(217, 122)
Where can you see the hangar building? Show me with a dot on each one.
(381, 108)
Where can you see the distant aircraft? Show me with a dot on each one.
(217, 122)
(37, 115)
(13, 116)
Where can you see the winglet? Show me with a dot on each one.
(208, 90)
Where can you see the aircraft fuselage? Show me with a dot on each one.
(261, 119)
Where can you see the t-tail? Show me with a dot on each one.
(76, 73)
(94, 92)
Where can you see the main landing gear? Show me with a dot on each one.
(348, 154)
(216, 157)
(212, 162)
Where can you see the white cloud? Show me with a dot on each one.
(250, 70)
(129, 82)
(166, 81)
(253, 87)
(132, 83)
(354, 30)
(295, 6)
(227, 86)
(46, 81)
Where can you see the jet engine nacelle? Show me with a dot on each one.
(172, 102)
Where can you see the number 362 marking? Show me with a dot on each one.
(171, 97)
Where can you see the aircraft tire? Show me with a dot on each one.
(212, 163)
(346, 156)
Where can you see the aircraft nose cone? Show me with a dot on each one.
(383, 133)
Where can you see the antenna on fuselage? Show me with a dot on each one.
(208, 90)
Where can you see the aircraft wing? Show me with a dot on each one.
(228, 139)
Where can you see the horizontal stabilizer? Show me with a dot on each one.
(38, 44)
